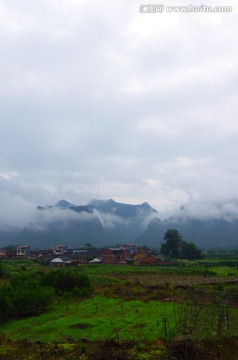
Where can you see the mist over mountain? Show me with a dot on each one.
(107, 222)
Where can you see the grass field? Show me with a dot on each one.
(134, 312)
(96, 319)
(197, 312)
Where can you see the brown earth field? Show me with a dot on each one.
(152, 286)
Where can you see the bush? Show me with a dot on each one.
(68, 281)
(22, 296)
(2, 270)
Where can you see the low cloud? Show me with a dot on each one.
(109, 221)
(227, 211)
(15, 212)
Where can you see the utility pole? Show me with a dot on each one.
(180, 249)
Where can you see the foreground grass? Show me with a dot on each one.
(101, 318)
(97, 318)
(164, 302)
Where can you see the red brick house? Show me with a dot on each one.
(150, 260)
(114, 256)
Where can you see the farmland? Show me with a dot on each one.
(132, 311)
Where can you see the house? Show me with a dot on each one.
(131, 248)
(114, 255)
(66, 260)
(143, 249)
(57, 261)
(150, 260)
(41, 254)
(95, 261)
(60, 249)
(11, 252)
(63, 260)
(3, 253)
(23, 251)
(77, 254)
(138, 257)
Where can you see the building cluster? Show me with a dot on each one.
(61, 255)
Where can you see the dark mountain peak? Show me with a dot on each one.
(111, 201)
(63, 204)
(106, 206)
(40, 207)
(81, 208)
(44, 207)
(146, 206)
(102, 203)
(121, 209)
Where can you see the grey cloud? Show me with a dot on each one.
(43, 219)
(101, 101)
(15, 212)
(227, 210)
(109, 221)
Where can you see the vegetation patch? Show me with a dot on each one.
(80, 326)
(118, 312)
(106, 318)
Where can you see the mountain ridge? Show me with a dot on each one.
(107, 222)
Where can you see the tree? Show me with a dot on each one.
(191, 252)
(88, 246)
(172, 243)
(175, 247)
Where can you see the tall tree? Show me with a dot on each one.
(175, 247)
(171, 245)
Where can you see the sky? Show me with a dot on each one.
(99, 100)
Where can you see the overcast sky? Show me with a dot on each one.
(99, 100)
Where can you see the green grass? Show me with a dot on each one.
(97, 318)
(224, 270)
(101, 318)
(198, 267)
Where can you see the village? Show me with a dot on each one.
(60, 255)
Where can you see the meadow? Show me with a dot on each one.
(97, 318)
(143, 312)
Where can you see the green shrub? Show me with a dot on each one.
(20, 301)
(68, 281)
(2, 270)
(23, 295)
